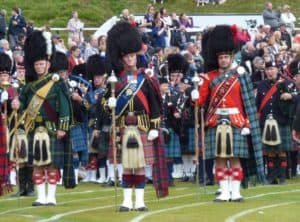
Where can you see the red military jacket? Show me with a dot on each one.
(231, 101)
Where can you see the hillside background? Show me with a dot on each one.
(94, 12)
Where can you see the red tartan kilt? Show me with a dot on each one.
(148, 149)
(2, 136)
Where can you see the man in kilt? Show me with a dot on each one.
(5, 70)
(99, 122)
(295, 73)
(230, 113)
(274, 103)
(46, 113)
(137, 115)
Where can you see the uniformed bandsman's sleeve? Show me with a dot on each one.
(155, 106)
(64, 108)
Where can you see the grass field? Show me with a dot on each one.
(186, 202)
(94, 12)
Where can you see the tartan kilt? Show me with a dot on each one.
(103, 144)
(79, 138)
(240, 145)
(188, 145)
(56, 151)
(173, 147)
(286, 140)
(148, 148)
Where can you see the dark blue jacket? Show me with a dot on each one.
(15, 30)
(281, 110)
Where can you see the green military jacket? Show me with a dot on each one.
(56, 112)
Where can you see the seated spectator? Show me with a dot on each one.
(74, 58)
(258, 70)
(125, 15)
(185, 21)
(102, 45)
(285, 36)
(91, 49)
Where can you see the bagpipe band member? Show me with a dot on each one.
(137, 106)
(46, 113)
(5, 70)
(230, 114)
(99, 122)
(275, 101)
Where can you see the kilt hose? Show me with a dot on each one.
(286, 141)
(147, 145)
(240, 145)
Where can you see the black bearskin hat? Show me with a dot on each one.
(5, 64)
(177, 63)
(80, 69)
(38, 46)
(95, 66)
(294, 68)
(122, 39)
(220, 39)
(60, 62)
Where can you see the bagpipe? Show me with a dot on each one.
(77, 83)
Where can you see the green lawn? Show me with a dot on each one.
(186, 202)
(95, 12)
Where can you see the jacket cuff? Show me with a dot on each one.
(64, 123)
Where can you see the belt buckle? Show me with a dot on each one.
(224, 112)
(130, 113)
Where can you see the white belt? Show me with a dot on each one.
(227, 111)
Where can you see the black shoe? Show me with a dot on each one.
(37, 204)
(124, 209)
(19, 193)
(238, 200)
(30, 194)
(220, 201)
(50, 204)
(110, 183)
(148, 181)
(142, 209)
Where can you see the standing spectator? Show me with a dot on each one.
(285, 35)
(159, 34)
(91, 49)
(270, 16)
(287, 17)
(17, 25)
(75, 26)
(149, 17)
(2, 24)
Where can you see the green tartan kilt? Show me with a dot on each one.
(286, 140)
(103, 144)
(240, 145)
(172, 148)
(56, 152)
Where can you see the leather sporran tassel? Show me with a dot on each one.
(44, 151)
(37, 151)
(228, 144)
(271, 134)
